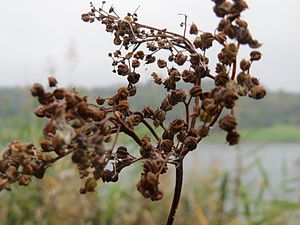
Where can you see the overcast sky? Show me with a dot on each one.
(39, 38)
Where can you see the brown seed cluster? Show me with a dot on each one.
(89, 132)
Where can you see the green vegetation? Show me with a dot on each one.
(277, 118)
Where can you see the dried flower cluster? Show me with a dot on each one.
(83, 130)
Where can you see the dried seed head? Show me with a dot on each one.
(52, 81)
(123, 69)
(180, 59)
(229, 98)
(190, 143)
(86, 17)
(221, 38)
(133, 77)
(196, 91)
(161, 63)
(202, 131)
(233, 137)
(241, 23)
(166, 145)
(255, 55)
(100, 101)
(228, 122)
(59, 93)
(221, 79)
(245, 65)
(37, 90)
(135, 63)
(257, 92)
(193, 29)
(241, 78)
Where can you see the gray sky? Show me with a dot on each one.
(39, 38)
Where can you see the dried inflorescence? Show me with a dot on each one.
(78, 128)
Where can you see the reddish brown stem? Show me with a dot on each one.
(177, 193)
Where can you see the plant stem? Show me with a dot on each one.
(177, 193)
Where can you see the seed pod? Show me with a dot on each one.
(122, 152)
(228, 122)
(221, 79)
(52, 81)
(202, 131)
(254, 44)
(12, 172)
(161, 63)
(190, 143)
(196, 91)
(85, 17)
(193, 29)
(241, 23)
(233, 137)
(241, 78)
(166, 145)
(123, 69)
(229, 98)
(135, 63)
(148, 112)
(245, 65)
(221, 38)
(197, 42)
(257, 92)
(37, 90)
(117, 40)
(59, 93)
(4, 183)
(150, 59)
(133, 77)
(24, 180)
(132, 90)
(180, 59)
(139, 55)
(255, 55)
(205, 117)
(243, 35)
(100, 101)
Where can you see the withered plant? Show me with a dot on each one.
(82, 130)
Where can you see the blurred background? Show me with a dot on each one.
(254, 183)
